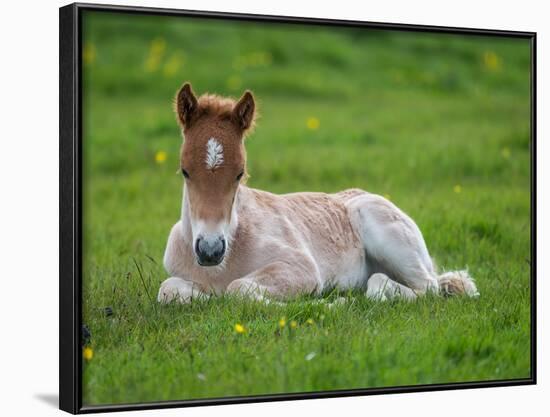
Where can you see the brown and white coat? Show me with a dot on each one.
(232, 238)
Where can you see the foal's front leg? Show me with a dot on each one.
(179, 289)
(279, 279)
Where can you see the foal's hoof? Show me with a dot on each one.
(178, 289)
(169, 291)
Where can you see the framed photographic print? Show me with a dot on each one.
(259, 208)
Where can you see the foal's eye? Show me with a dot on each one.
(240, 176)
(185, 173)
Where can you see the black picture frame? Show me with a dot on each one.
(70, 207)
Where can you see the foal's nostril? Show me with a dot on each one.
(210, 251)
(197, 250)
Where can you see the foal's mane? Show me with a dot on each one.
(215, 105)
(218, 106)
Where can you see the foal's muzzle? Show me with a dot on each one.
(210, 251)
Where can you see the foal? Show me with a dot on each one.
(236, 239)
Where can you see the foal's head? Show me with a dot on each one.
(213, 163)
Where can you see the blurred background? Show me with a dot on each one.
(437, 123)
(396, 113)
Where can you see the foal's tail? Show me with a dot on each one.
(457, 283)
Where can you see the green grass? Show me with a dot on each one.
(404, 114)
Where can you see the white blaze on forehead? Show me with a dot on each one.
(214, 154)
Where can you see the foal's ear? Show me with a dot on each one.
(244, 111)
(186, 104)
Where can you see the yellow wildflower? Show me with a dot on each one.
(88, 353)
(156, 51)
(313, 123)
(158, 45)
(282, 322)
(173, 65)
(457, 189)
(310, 321)
(252, 60)
(88, 53)
(293, 324)
(491, 61)
(160, 157)
(239, 328)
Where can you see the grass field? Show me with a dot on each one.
(437, 123)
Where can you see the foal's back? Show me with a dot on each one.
(316, 223)
(319, 217)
